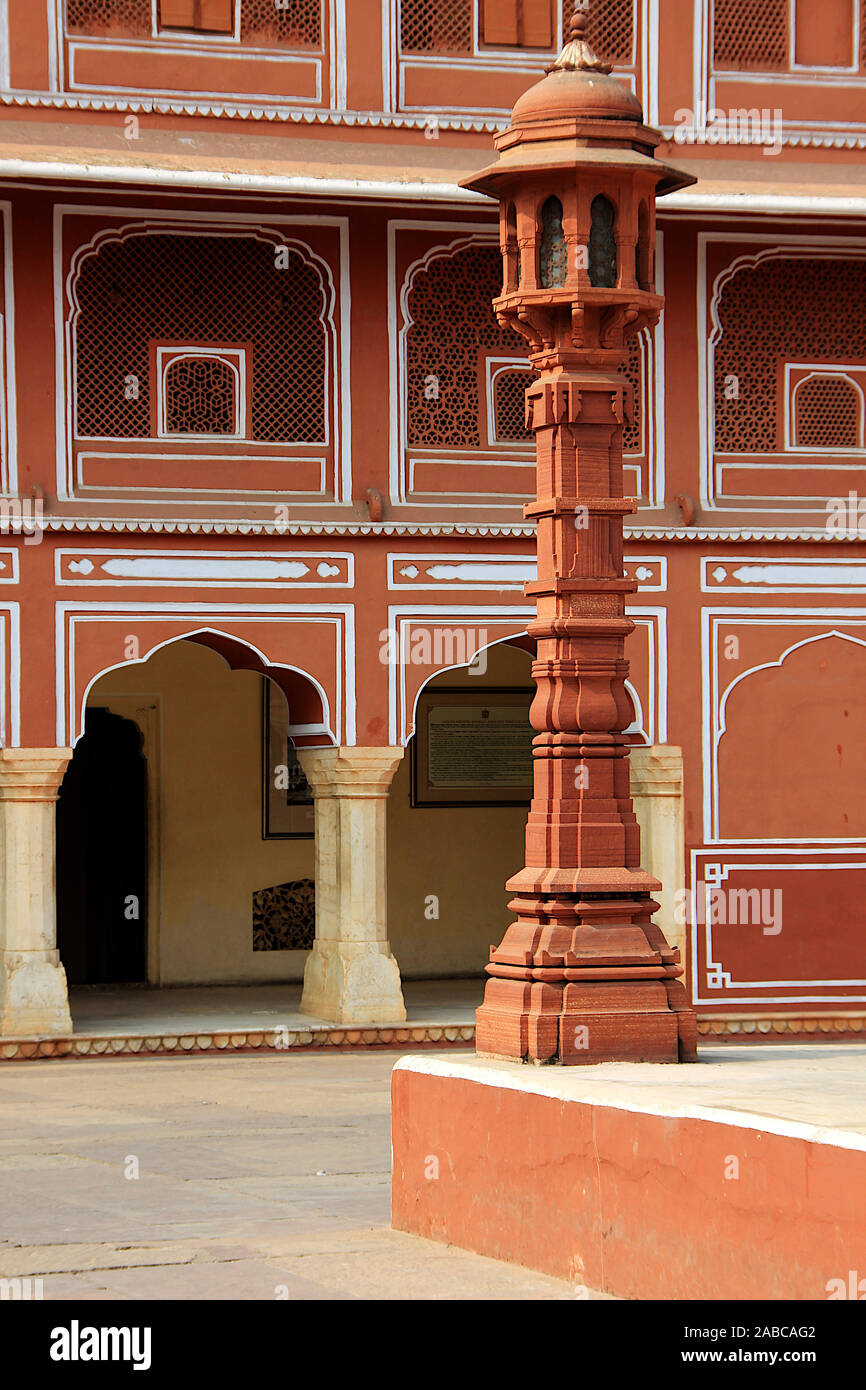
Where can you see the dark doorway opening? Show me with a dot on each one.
(102, 855)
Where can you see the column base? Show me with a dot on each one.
(353, 982)
(33, 994)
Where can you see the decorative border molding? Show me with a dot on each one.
(759, 1026)
(312, 1037)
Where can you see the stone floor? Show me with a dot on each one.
(214, 1008)
(258, 1178)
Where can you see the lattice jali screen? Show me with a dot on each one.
(437, 26)
(450, 304)
(780, 310)
(200, 396)
(750, 37)
(632, 430)
(300, 26)
(261, 23)
(509, 405)
(199, 289)
(610, 30)
(109, 18)
(827, 413)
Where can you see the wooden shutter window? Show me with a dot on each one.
(824, 34)
(517, 23)
(208, 16)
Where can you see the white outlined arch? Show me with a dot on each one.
(334, 313)
(218, 621)
(713, 621)
(767, 665)
(324, 728)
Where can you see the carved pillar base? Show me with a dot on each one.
(584, 975)
(33, 993)
(351, 975)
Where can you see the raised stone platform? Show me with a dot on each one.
(740, 1177)
(243, 1018)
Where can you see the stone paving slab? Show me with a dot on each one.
(259, 1177)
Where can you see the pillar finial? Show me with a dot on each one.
(577, 54)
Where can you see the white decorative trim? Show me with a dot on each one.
(10, 675)
(710, 867)
(211, 569)
(8, 393)
(480, 123)
(796, 575)
(447, 572)
(5, 46)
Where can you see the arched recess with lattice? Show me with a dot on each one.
(265, 302)
(462, 375)
(771, 309)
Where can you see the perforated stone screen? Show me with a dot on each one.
(450, 304)
(750, 37)
(200, 396)
(509, 405)
(782, 309)
(827, 414)
(199, 289)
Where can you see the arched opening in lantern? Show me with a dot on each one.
(511, 250)
(553, 253)
(602, 243)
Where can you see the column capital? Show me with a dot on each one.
(32, 774)
(350, 771)
(656, 770)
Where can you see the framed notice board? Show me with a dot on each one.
(472, 747)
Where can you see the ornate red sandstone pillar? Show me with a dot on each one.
(583, 975)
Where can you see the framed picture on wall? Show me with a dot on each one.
(472, 748)
(287, 801)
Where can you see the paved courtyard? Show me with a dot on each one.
(258, 1177)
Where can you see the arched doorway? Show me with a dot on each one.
(102, 855)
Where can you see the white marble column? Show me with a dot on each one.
(657, 793)
(351, 975)
(33, 995)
